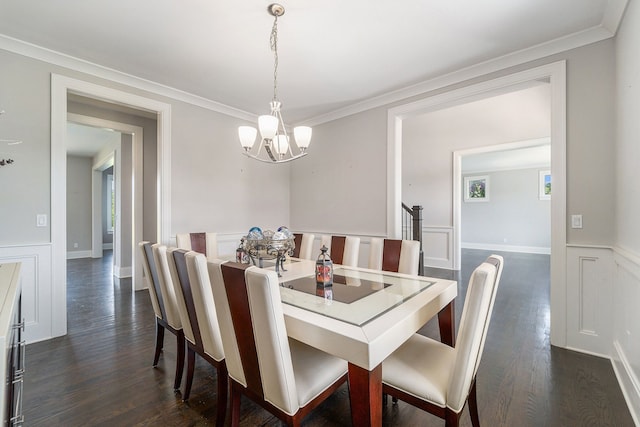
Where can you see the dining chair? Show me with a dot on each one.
(343, 250)
(205, 243)
(197, 309)
(164, 307)
(438, 378)
(399, 256)
(304, 245)
(284, 376)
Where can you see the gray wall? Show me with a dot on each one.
(628, 131)
(78, 203)
(341, 185)
(107, 237)
(126, 196)
(25, 94)
(349, 157)
(429, 140)
(149, 127)
(214, 187)
(513, 216)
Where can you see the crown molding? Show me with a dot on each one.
(62, 60)
(610, 22)
(582, 38)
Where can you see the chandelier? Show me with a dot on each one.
(273, 133)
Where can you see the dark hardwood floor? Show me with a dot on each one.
(101, 373)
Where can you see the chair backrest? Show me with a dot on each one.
(191, 269)
(185, 315)
(252, 316)
(474, 325)
(229, 342)
(151, 273)
(304, 245)
(205, 243)
(343, 250)
(166, 286)
(400, 256)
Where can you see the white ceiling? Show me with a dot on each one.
(538, 156)
(87, 141)
(332, 53)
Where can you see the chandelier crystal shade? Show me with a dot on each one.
(275, 145)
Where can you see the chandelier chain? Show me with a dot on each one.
(274, 47)
(275, 146)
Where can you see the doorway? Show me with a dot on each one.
(61, 87)
(126, 157)
(555, 74)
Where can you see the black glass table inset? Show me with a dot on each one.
(344, 289)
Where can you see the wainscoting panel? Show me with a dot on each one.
(35, 279)
(589, 299)
(437, 245)
(625, 354)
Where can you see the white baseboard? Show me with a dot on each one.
(122, 272)
(107, 246)
(78, 254)
(507, 248)
(629, 383)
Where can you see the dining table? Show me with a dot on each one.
(363, 317)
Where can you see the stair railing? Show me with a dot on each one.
(412, 229)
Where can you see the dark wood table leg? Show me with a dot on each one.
(365, 391)
(447, 324)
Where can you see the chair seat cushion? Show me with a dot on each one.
(420, 367)
(314, 370)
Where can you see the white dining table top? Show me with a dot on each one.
(365, 329)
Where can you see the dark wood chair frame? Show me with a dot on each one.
(235, 286)
(452, 419)
(161, 323)
(198, 347)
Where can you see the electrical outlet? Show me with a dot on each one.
(576, 221)
(41, 220)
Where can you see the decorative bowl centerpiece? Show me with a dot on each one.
(269, 245)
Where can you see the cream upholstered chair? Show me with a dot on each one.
(440, 379)
(400, 256)
(205, 243)
(284, 376)
(304, 245)
(197, 309)
(343, 249)
(164, 307)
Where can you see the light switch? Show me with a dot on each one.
(41, 220)
(576, 221)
